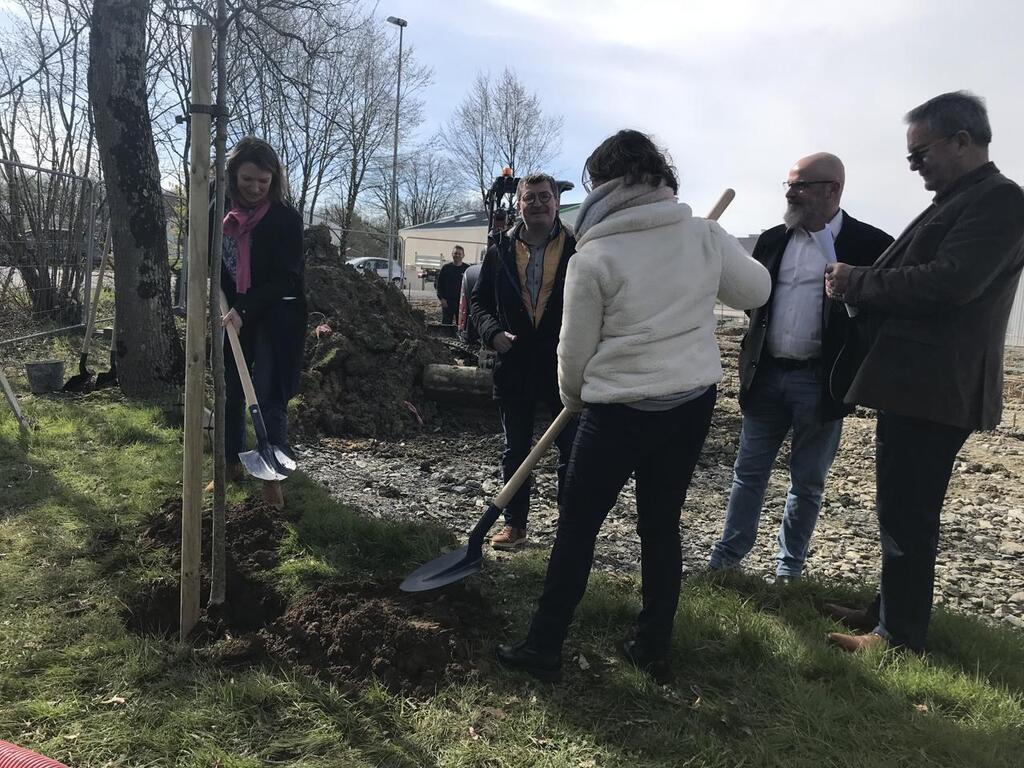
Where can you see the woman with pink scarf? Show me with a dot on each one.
(262, 278)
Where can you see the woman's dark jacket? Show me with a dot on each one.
(277, 264)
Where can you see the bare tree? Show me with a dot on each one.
(148, 346)
(45, 122)
(468, 138)
(500, 123)
(367, 116)
(428, 186)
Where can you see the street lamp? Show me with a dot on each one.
(393, 244)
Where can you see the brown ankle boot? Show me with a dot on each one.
(233, 472)
(272, 494)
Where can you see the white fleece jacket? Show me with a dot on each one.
(639, 314)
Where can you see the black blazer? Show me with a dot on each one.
(277, 266)
(530, 369)
(858, 244)
(939, 301)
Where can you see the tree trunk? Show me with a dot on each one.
(151, 361)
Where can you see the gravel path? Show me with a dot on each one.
(448, 474)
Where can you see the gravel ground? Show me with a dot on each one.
(448, 473)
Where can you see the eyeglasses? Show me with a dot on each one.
(533, 197)
(802, 186)
(917, 156)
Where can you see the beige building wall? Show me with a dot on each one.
(433, 247)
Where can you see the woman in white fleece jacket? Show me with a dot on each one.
(637, 356)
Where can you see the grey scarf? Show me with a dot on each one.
(615, 196)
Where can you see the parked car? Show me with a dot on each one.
(380, 267)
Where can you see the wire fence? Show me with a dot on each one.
(51, 245)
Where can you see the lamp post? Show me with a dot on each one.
(393, 242)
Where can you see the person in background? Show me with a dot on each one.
(517, 307)
(449, 285)
(638, 359)
(262, 277)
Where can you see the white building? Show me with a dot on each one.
(430, 245)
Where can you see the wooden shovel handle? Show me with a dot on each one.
(236, 350)
(96, 296)
(723, 202)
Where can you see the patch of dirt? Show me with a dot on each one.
(252, 532)
(409, 643)
(344, 633)
(363, 377)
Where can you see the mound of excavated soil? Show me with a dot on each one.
(409, 643)
(345, 633)
(363, 378)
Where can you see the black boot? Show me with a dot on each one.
(520, 656)
(656, 665)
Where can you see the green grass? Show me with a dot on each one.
(755, 684)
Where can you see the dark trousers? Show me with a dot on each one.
(612, 443)
(450, 312)
(273, 351)
(914, 459)
(517, 419)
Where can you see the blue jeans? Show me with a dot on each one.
(781, 400)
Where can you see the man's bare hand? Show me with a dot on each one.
(502, 342)
(444, 304)
(837, 279)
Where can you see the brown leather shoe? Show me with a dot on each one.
(273, 496)
(233, 472)
(854, 618)
(509, 539)
(857, 643)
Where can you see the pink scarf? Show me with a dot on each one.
(238, 224)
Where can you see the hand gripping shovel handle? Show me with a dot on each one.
(518, 478)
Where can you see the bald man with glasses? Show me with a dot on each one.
(789, 384)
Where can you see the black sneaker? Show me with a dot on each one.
(657, 667)
(520, 656)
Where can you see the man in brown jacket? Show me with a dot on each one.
(936, 304)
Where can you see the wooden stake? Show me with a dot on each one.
(195, 333)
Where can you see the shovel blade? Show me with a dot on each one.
(78, 382)
(283, 463)
(446, 569)
(256, 464)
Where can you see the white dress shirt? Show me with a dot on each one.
(794, 327)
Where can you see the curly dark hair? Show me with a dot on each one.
(249, 149)
(632, 156)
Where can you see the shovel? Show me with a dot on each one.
(262, 462)
(467, 560)
(81, 380)
(109, 378)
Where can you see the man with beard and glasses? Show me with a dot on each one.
(788, 381)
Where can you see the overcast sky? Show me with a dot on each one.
(737, 90)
